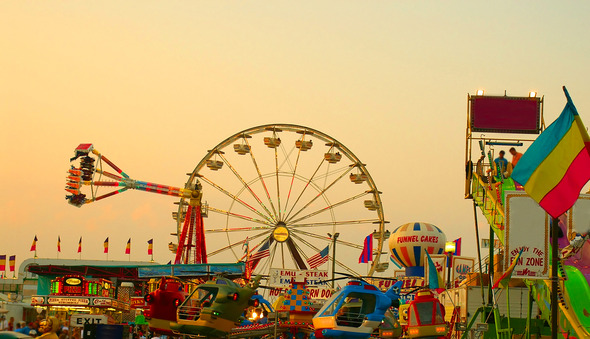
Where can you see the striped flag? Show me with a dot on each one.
(34, 245)
(505, 278)
(320, 258)
(12, 262)
(80, 245)
(3, 263)
(263, 251)
(457, 247)
(151, 247)
(106, 245)
(556, 166)
(367, 254)
(58, 244)
(128, 248)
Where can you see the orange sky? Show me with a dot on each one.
(154, 85)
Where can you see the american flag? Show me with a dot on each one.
(320, 258)
(263, 251)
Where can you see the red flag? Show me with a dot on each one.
(80, 245)
(58, 244)
(367, 253)
(128, 248)
(34, 245)
(11, 262)
(106, 245)
(3, 263)
(150, 246)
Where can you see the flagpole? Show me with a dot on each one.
(554, 278)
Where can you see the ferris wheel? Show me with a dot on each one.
(274, 196)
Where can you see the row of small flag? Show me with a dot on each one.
(11, 263)
(150, 243)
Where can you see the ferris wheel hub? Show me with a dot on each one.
(281, 232)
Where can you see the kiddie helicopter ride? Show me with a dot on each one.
(361, 310)
(214, 308)
(424, 317)
(355, 311)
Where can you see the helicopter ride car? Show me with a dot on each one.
(214, 308)
(355, 311)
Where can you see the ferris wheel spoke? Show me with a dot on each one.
(294, 249)
(241, 242)
(239, 229)
(245, 184)
(309, 181)
(261, 178)
(294, 171)
(321, 192)
(335, 223)
(243, 203)
(310, 245)
(287, 159)
(333, 172)
(239, 216)
(350, 270)
(321, 237)
(327, 208)
(283, 255)
(277, 179)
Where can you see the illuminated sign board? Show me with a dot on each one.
(502, 114)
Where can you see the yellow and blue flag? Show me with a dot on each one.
(556, 166)
(434, 279)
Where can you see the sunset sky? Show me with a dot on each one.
(155, 84)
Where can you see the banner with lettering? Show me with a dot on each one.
(462, 266)
(282, 277)
(527, 227)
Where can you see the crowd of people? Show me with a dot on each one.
(53, 328)
(46, 328)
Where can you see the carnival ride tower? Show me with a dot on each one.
(495, 194)
(91, 172)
